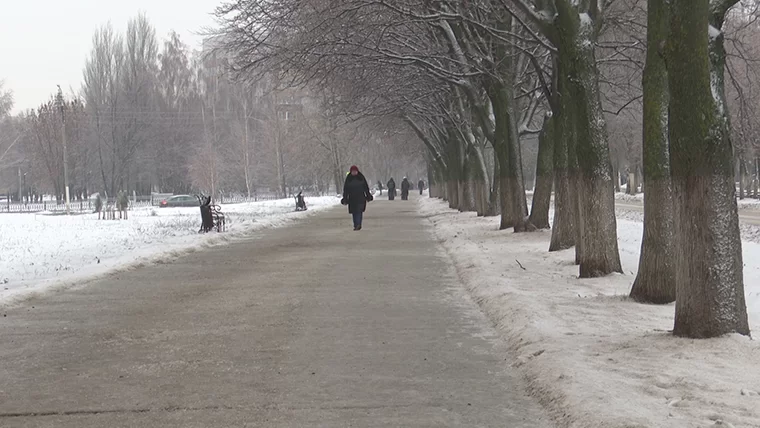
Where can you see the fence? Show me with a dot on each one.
(59, 207)
(88, 206)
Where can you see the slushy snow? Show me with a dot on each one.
(593, 357)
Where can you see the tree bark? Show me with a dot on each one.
(573, 169)
(709, 283)
(483, 183)
(494, 198)
(468, 184)
(513, 202)
(655, 281)
(542, 193)
(564, 225)
(599, 254)
(742, 176)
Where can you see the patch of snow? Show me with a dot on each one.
(42, 251)
(713, 32)
(638, 197)
(591, 356)
(748, 204)
(585, 19)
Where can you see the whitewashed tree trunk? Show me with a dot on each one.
(655, 281)
(710, 298)
(598, 254)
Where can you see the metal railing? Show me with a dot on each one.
(59, 207)
(88, 206)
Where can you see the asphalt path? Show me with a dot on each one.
(312, 325)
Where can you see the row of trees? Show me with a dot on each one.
(473, 78)
(156, 117)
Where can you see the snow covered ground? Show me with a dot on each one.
(620, 196)
(593, 357)
(746, 203)
(749, 203)
(39, 252)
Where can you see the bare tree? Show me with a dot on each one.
(709, 284)
(655, 281)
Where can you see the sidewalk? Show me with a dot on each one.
(312, 325)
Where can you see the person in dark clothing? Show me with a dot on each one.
(421, 185)
(391, 189)
(380, 187)
(300, 202)
(405, 189)
(356, 194)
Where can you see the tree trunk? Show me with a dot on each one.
(431, 179)
(513, 203)
(246, 147)
(599, 254)
(574, 174)
(709, 283)
(452, 191)
(564, 225)
(655, 281)
(454, 159)
(630, 187)
(482, 185)
(742, 176)
(468, 184)
(494, 198)
(542, 194)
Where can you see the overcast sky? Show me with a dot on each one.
(45, 43)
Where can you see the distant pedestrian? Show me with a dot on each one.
(421, 185)
(405, 185)
(356, 194)
(380, 187)
(391, 189)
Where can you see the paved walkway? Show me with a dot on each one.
(308, 326)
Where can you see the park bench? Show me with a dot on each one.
(218, 216)
(212, 217)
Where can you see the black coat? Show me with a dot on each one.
(391, 184)
(356, 193)
(405, 185)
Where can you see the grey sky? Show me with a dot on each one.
(45, 43)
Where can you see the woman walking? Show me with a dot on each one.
(356, 194)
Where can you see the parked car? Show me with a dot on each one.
(180, 201)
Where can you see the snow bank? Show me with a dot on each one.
(40, 251)
(593, 357)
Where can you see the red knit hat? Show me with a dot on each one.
(353, 168)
